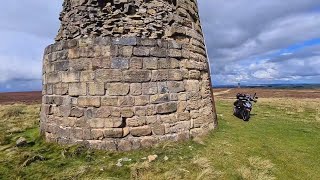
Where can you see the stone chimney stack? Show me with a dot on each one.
(127, 74)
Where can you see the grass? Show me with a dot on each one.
(281, 141)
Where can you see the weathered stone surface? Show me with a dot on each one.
(175, 87)
(113, 132)
(149, 88)
(159, 98)
(141, 131)
(96, 89)
(150, 63)
(127, 112)
(135, 89)
(124, 145)
(167, 108)
(125, 101)
(109, 101)
(103, 112)
(117, 89)
(119, 63)
(108, 75)
(136, 121)
(77, 89)
(136, 63)
(141, 51)
(84, 101)
(136, 76)
(141, 100)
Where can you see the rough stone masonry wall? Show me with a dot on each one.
(128, 92)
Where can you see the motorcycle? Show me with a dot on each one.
(243, 106)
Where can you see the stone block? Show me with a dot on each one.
(140, 111)
(141, 51)
(101, 63)
(96, 89)
(158, 52)
(136, 63)
(163, 87)
(126, 101)
(125, 41)
(135, 89)
(193, 105)
(141, 131)
(77, 89)
(179, 127)
(97, 144)
(53, 77)
(183, 116)
(159, 98)
(77, 112)
(102, 41)
(111, 145)
(136, 76)
(192, 85)
(113, 132)
(126, 51)
(127, 112)
(70, 77)
(113, 122)
(148, 42)
(175, 53)
(194, 74)
(115, 112)
(108, 75)
(119, 63)
(97, 134)
(150, 63)
(160, 75)
(60, 89)
(97, 123)
(168, 119)
(148, 142)
(61, 66)
(175, 87)
(158, 129)
(82, 64)
(174, 45)
(149, 88)
(124, 145)
(175, 75)
(117, 89)
(165, 108)
(126, 131)
(141, 100)
(109, 101)
(136, 121)
(103, 112)
(84, 101)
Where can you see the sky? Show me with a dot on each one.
(248, 41)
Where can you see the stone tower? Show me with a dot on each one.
(127, 74)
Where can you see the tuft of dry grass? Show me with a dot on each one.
(258, 169)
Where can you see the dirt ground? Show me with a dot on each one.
(225, 93)
(21, 97)
(268, 93)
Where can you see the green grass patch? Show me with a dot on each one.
(281, 141)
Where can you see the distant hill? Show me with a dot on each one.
(274, 86)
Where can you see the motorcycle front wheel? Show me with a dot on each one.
(246, 115)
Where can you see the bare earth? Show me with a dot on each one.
(21, 97)
(225, 93)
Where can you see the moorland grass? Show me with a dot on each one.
(281, 141)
